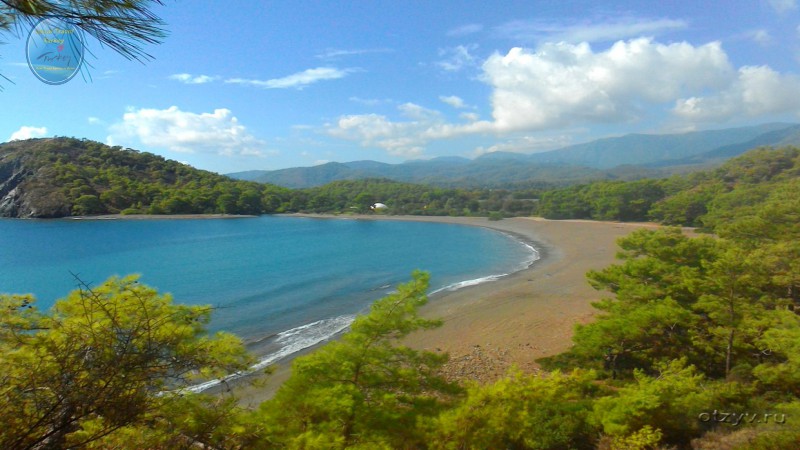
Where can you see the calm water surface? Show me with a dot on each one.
(279, 282)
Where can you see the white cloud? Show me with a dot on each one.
(526, 144)
(107, 74)
(369, 101)
(757, 91)
(332, 54)
(26, 132)
(782, 6)
(469, 116)
(562, 84)
(465, 30)
(453, 100)
(373, 130)
(298, 80)
(539, 31)
(761, 37)
(218, 132)
(406, 138)
(187, 78)
(419, 113)
(397, 138)
(457, 58)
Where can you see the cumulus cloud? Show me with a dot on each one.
(757, 91)
(26, 132)
(297, 80)
(187, 78)
(406, 138)
(398, 138)
(374, 130)
(561, 84)
(453, 100)
(538, 31)
(218, 132)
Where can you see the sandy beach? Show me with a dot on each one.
(529, 314)
(514, 320)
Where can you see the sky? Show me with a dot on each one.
(241, 85)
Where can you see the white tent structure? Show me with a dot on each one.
(378, 206)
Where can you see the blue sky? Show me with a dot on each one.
(240, 85)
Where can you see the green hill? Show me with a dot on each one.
(707, 198)
(59, 177)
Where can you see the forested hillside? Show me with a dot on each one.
(699, 199)
(67, 177)
(64, 176)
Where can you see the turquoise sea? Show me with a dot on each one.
(281, 283)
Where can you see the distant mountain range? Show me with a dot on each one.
(628, 157)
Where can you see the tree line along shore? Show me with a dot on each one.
(63, 177)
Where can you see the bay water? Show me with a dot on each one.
(280, 283)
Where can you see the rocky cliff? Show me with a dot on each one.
(26, 190)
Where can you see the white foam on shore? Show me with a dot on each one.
(474, 282)
(306, 336)
(291, 341)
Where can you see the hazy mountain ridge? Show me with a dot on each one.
(639, 149)
(626, 157)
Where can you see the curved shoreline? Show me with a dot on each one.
(488, 327)
(283, 359)
(511, 321)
